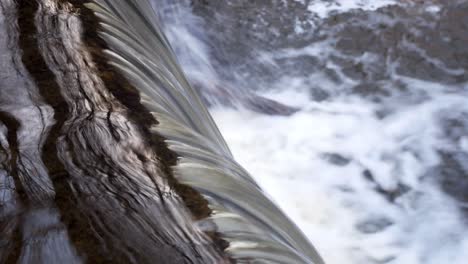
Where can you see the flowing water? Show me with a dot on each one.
(351, 114)
(370, 159)
(107, 154)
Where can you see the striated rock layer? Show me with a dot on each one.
(81, 177)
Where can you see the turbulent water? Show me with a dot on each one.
(108, 155)
(351, 114)
(370, 158)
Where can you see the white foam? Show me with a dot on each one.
(285, 155)
(337, 206)
(324, 8)
(433, 9)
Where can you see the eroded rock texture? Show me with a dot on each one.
(425, 40)
(81, 178)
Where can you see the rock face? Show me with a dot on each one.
(270, 24)
(419, 44)
(234, 27)
(185, 31)
(452, 172)
(416, 40)
(81, 177)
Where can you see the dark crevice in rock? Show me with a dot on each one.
(13, 125)
(79, 230)
(129, 96)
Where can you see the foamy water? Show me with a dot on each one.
(336, 205)
(352, 172)
(324, 8)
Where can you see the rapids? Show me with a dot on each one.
(372, 165)
(108, 155)
(349, 116)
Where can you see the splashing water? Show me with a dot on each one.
(107, 154)
(362, 166)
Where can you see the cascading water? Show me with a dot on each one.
(255, 229)
(351, 114)
(372, 166)
(107, 154)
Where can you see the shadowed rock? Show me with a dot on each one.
(366, 48)
(81, 178)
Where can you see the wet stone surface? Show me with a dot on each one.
(422, 45)
(336, 159)
(373, 226)
(81, 178)
(367, 46)
(233, 27)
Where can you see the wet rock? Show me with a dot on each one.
(390, 194)
(235, 98)
(275, 23)
(332, 75)
(318, 94)
(422, 45)
(455, 125)
(82, 162)
(368, 175)
(374, 225)
(452, 171)
(452, 174)
(395, 193)
(370, 89)
(368, 46)
(267, 106)
(336, 159)
(299, 66)
(235, 26)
